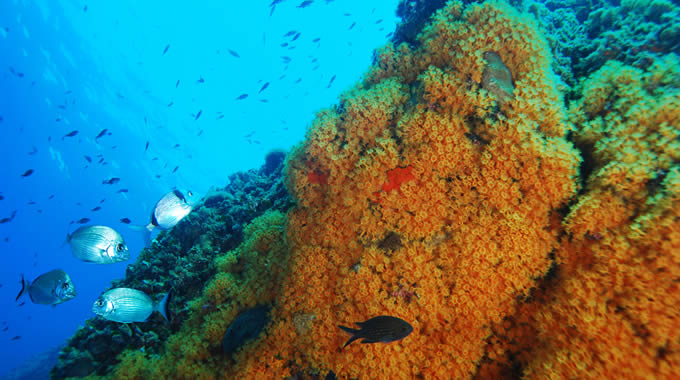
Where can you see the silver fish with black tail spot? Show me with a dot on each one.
(51, 288)
(98, 244)
(170, 209)
(126, 305)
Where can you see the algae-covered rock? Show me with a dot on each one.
(181, 259)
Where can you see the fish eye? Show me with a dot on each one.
(99, 303)
(190, 193)
(120, 247)
(64, 285)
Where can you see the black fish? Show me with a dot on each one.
(235, 54)
(2, 197)
(16, 337)
(83, 220)
(177, 84)
(122, 191)
(200, 80)
(175, 169)
(110, 181)
(70, 134)
(96, 208)
(264, 87)
(166, 49)
(295, 37)
(305, 3)
(5, 220)
(147, 146)
(382, 329)
(88, 158)
(170, 104)
(101, 134)
(27, 173)
(331, 82)
(125, 221)
(198, 115)
(176, 146)
(352, 26)
(242, 96)
(316, 39)
(33, 151)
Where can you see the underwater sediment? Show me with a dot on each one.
(453, 188)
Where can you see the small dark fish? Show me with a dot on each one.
(331, 82)
(384, 329)
(352, 26)
(200, 80)
(27, 173)
(96, 208)
(201, 131)
(242, 96)
(379, 21)
(264, 87)
(285, 59)
(290, 33)
(170, 104)
(220, 117)
(61, 107)
(2, 197)
(284, 44)
(316, 39)
(235, 54)
(33, 151)
(122, 191)
(175, 169)
(22, 304)
(101, 134)
(100, 161)
(177, 84)
(5, 220)
(111, 181)
(51, 196)
(295, 37)
(70, 134)
(88, 159)
(16, 337)
(249, 134)
(176, 146)
(147, 146)
(166, 49)
(125, 221)
(198, 115)
(83, 220)
(305, 3)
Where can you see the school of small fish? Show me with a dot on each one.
(100, 244)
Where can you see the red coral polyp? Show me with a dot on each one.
(397, 176)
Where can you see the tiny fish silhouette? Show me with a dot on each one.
(198, 115)
(27, 173)
(166, 49)
(125, 221)
(235, 54)
(242, 96)
(111, 181)
(70, 134)
(383, 329)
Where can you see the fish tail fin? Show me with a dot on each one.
(162, 307)
(67, 240)
(24, 287)
(354, 332)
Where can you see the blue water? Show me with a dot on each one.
(65, 68)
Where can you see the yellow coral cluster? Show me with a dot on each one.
(613, 311)
(479, 182)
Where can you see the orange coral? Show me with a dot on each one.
(474, 249)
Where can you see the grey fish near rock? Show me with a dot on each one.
(382, 329)
(51, 288)
(126, 305)
(170, 209)
(98, 244)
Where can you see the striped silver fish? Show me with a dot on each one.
(51, 288)
(170, 209)
(126, 305)
(98, 244)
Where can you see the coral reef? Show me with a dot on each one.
(585, 34)
(453, 188)
(182, 259)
